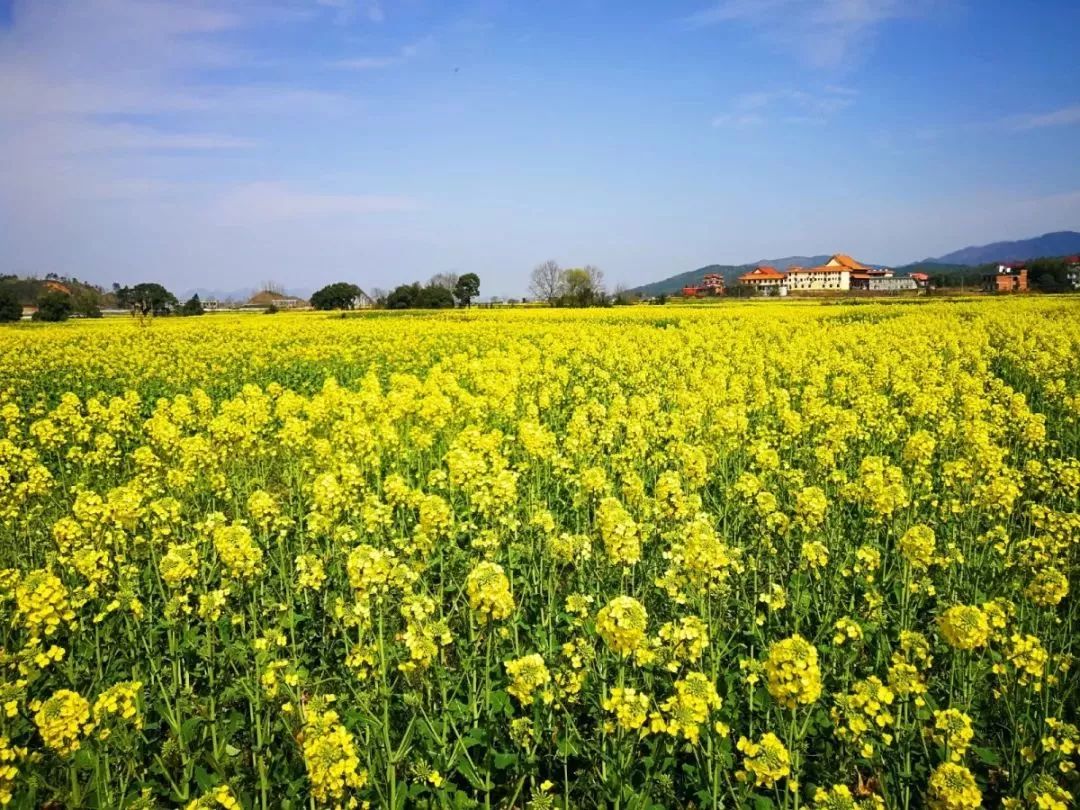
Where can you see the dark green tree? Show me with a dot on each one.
(147, 298)
(404, 296)
(434, 296)
(193, 306)
(10, 308)
(339, 295)
(86, 302)
(54, 306)
(467, 288)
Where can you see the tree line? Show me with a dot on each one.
(568, 287)
(443, 291)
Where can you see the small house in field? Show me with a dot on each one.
(270, 298)
(766, 280)
(1012, 277)
(363, 301)
(711, 284)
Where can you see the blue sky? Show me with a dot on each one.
(222, 143)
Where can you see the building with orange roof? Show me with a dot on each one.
(833, 276)
(843, 260)
(766, 280)
(842, 273)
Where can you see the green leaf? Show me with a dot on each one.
(987, 755)
(500, 702)
(568, 746)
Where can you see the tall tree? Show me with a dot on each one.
(53, 306)
(10, 308)
(339, 295)
(147, 298)
(546, 282)
(403, 296)
(467, 288)
(193, 306)
(596, 280)
(434, 296)
(448, 280)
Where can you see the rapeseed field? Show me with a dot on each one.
(748, 555)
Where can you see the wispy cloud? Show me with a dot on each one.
(404, 54)
(351, 10)
(268, 201)
(110, 93)
(822, 32)
(62, 139)
(789, 105)
(1063, 116)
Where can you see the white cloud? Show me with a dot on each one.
(348, 10)
(271, 201)
(114, 94)
(404, 54)
(1064, 116)
(822, 32)
(740, 120)
(792, 105)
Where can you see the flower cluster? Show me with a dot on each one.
(527, 675)
(965, 627)
(952, 729)
(683, 714)
(330, 755)
(489, 591)
(793, 676)
(765, 761)
(629, 706)
(953, 787)
(63, 720)
(621, 623)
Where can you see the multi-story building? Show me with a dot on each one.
(1007, 278)
(833, 276)
(711, 284)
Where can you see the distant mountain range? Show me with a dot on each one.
(1060, 243)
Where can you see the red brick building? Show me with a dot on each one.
(711, 284)
(1007, 278)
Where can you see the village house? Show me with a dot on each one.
(922, 280)
(881, 280)
(1072, 271)
(766, 280)
(711, 284)
(1011, 277)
